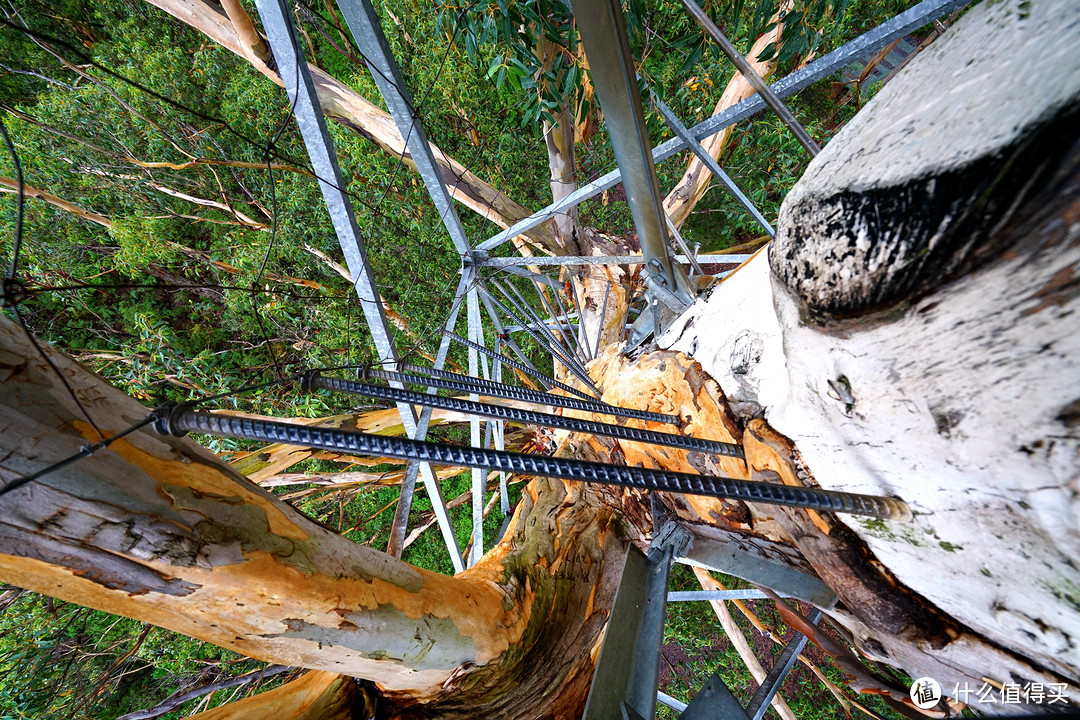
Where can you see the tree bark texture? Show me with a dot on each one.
(155, 528)
(912, 331)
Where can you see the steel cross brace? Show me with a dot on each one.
(833, 62)
(760, 569)
(307, 110)
(505, 263)
(752, 77)
(366, 29)
(709, 162)
(715, 700)
(625, 681)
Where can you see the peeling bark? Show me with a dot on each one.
(315, 695)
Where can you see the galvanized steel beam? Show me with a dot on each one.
(833, 62)
(771, 685)
(294, 73)
(764, 571)
(752, 77)
(611, 68)
(711, 164)
(573, 260)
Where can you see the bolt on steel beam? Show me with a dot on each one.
(503, 412)
(752, 77)
(178, 420)
(833, 62)
(277, 21)
(602, 28)
(691, 259)
(709, 162)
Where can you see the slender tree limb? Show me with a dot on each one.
(176, 700)
(7, 185)
(345, 105)
(254, 47)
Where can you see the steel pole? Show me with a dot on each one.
(753, 78)
(607, 47)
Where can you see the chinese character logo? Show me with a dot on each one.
(925, 693)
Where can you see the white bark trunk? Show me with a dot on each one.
(915, 336)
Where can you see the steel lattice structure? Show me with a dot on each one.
(625, 685)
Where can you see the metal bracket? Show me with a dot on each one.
(671, 535)
(474, 258)
(761, 570)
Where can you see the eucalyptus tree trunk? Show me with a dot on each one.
(912, 331)
(156, 528)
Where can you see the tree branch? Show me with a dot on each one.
(176, 700)
(342, 103)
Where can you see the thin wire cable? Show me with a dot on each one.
(16, 245)
(34, 289)
(86, 451)
(11, 280)
(89, 450)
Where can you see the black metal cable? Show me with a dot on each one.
(578, 356)
(524, 308)
(35, 288)
(502, 412)
(180, 420)
(85, 451)
(532, 372)
(20, 207)
(547, 305)
(445, 380)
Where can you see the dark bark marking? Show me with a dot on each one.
(1070, 414)
(852, 252)
(107, 569)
